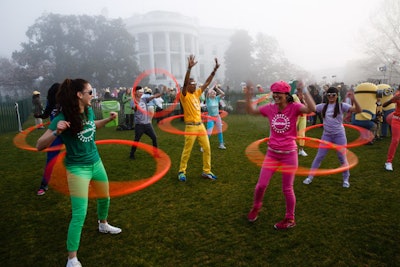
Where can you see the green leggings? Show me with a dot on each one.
(79, 178)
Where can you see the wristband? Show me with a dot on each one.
(55, 133)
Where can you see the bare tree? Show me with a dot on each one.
(382, 42)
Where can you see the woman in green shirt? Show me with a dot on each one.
(76, 125)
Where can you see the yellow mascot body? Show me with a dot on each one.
(365, 94)
(387, 93)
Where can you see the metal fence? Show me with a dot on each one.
(14, 114)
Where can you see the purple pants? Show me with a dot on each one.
(339, 139)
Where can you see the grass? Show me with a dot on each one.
(200, 222)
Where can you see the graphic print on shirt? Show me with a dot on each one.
(280, 123)
(87, 134)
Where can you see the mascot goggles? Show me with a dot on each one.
(384, 92)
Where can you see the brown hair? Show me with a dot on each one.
(69, 103)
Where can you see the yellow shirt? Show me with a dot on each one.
(191, 106)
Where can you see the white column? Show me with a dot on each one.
(167, 52)
(193, 48)
(183, 59)
(151, 57)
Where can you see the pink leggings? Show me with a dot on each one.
(288, 164)
(395, 138)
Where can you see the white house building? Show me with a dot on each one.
(164, 40)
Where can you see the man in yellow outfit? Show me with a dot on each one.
(190, 101)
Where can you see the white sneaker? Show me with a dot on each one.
(221, 146)
(73, 262)
(308, 180)
(389, 166)
(302, 153)
(346, 184)
(106, 228)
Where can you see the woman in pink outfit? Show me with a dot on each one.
(282, 148)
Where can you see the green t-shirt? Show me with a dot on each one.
(81, 148)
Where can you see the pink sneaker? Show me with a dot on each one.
(253, 214)
(41, 192)
(285, 224)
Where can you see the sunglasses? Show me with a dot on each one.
(89, 92)
(331, 94)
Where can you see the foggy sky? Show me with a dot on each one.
(314, 34)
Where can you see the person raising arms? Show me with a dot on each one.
(190, 101)
(212, 102)
(334, 131)
(282, 148)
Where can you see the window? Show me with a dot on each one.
(143, 41)
(159, 42)
(174, 42)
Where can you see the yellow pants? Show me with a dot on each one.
(202, 138)
(301, 125)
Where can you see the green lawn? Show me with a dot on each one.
(201, 222)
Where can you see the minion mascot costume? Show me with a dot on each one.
(366, 96)
(302, 119)
(386, 92)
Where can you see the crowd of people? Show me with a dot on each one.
(291, 107)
